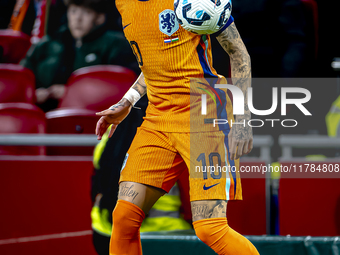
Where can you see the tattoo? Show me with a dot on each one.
(126, 190)
(232, 43)
(208, 209)
(140, 85)
(120, 103)
(198, 210)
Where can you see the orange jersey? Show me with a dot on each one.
(169, 57)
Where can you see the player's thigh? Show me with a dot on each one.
(152, 160)
(151, 168)
(144, 196)
(205, 209)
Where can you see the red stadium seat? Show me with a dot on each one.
(97, 87)
(71, 121)
(14, 46)
(17, 84)
(21, 118)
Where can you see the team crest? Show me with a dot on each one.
(168, 23)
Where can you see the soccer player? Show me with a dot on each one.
(165, 145)
(84, 41)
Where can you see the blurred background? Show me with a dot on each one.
(63, 60)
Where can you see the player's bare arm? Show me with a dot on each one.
(140, 85)
(241, 135)
(208, 209)
(118, 112)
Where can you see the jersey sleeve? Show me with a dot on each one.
(230, 20)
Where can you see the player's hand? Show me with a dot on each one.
(114, 115)
(240, 139)
(57, 91)
(42, 95)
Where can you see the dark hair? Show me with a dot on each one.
(100, 6)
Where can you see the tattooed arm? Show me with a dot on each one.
(118, 112)
(232, 43)
(140, 85)
(241, 135)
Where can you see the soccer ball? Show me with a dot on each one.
(202, 16)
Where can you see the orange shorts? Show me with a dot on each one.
(158, 158)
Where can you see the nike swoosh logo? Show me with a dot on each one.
(209, 187)
(126, 26)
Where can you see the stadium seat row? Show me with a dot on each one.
(93, 88)
(24, 118)
(88, 90)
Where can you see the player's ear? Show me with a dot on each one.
(100, 19)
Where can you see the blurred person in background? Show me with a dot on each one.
(44, 17)
(333, 119)
(85, 41)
